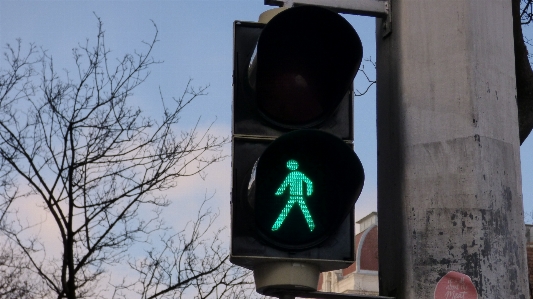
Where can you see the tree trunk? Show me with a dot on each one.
(524, 77)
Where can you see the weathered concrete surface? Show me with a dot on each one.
(449, 181)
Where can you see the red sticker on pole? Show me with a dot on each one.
(455, 285)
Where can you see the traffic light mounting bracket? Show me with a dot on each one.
(370, 8)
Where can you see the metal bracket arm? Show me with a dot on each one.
(372, 8)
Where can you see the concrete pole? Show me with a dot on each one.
(449, 178)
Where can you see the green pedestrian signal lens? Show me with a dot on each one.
(295, 181)
(302, 188)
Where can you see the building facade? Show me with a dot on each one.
(362, 276)
(529, 240)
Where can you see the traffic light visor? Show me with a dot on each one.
(307, 58)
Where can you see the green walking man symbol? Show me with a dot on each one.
(295, 181)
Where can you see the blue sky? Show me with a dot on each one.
(195, 42)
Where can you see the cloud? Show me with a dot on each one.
(31, 215)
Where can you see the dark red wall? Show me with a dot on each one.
(530, 268)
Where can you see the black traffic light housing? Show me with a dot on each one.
(294, 73)
(304, 65)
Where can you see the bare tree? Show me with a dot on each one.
(97, 166)
(15, 279)
(172, 267)
(523, 16)
(528, 217)
(524, 73)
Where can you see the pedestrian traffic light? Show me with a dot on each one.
(302, 188)
(295, 175)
